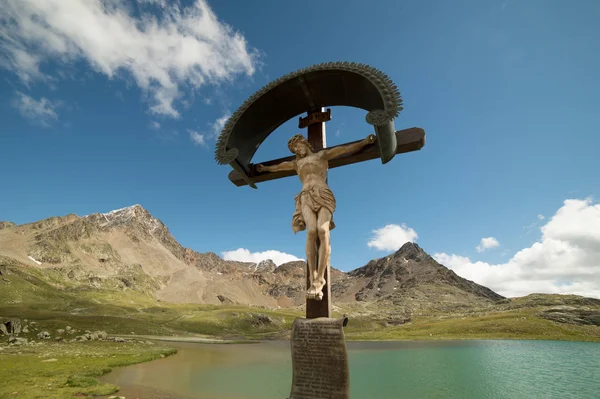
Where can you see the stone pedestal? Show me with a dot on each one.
(319, 359)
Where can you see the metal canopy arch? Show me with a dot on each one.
(305, 90)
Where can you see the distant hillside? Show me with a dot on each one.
(123, 272)
(129, 249)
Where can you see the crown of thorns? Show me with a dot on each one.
(299, 139)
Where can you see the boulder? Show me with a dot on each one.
(13, 326)
(3, 329)
(262, 319)
(102, 335)
(43, 335)
(60, 331)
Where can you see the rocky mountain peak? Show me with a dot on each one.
(295, 267)
(126, 216)
(411, 268)
(410, 250)
(266, 266)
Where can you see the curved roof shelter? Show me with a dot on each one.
(306, 90)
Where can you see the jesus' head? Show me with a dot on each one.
(300, 146)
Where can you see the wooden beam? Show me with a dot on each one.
(412, 139)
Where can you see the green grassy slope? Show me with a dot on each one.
(61, 370)
(42, 296)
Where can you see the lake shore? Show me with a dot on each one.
(378, 369)
(56, 370)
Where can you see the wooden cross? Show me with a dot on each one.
(407, 140)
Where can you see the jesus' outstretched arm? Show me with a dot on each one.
(346, 149)
(280, 167)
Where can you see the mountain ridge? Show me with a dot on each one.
(99, 247)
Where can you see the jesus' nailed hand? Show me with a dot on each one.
(315, 204)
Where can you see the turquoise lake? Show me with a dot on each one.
(382, 370)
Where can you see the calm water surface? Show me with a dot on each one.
(379, 370)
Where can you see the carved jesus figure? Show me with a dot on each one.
(315, 204)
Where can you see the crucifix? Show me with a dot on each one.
(308, 91)
(315, 204)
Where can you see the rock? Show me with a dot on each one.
(262, 319)
(570, 315)
(116, 397)
(60, 331)
(3, 329)
(119, 339)
(68, 328)
(25, 330)
(224, 299)
(265, 266)
(396, 321)
(13, 326)
(43, 335)
(102, 335)
(58, 338)
(93, 336)
(4, 224)
(17, 341)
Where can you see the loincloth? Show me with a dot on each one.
(315, 198)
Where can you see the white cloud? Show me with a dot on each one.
(392, 237)
(541, 217)
(42, 111)
(566, 259)
(244, 255)
(487, 243)
(154, 125)
(200, 138)
(197, 138)
(166, 50)
(218, 125)
(162, 3)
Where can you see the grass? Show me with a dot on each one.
(33, 297)
(516, 324)
(61, 370)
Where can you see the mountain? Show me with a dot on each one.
(412, 280)
(129, 249)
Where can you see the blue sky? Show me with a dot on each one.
(99, 109)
